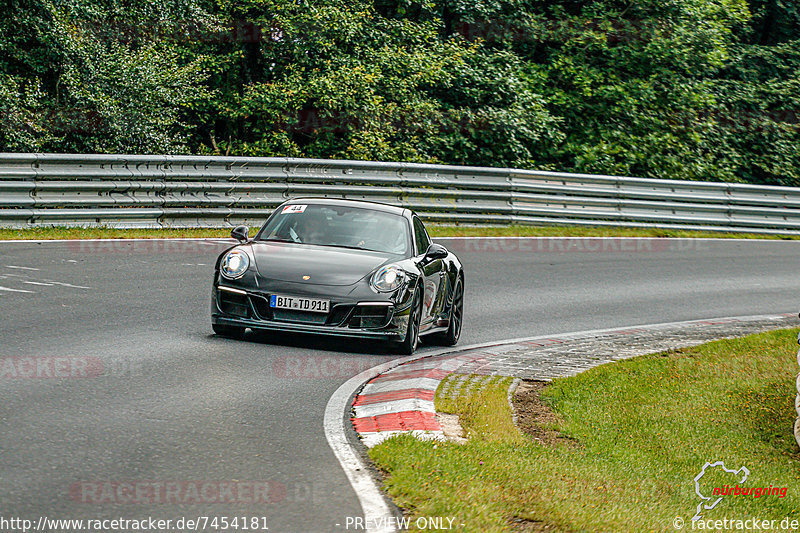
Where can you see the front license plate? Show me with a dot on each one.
(299, 304)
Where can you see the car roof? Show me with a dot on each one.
(363, 204)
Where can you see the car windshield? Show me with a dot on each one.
(333, 225)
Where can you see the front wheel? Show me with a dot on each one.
(453, 333)
(234, 332)
(409, 344)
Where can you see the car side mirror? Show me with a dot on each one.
(435, 251)
(240, 233)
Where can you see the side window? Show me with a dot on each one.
(421, 236)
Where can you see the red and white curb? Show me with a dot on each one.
(401, 399)
(397, 397)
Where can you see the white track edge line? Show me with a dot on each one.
(499, 237)
(376, 511)
(44, 241)
(608, 237)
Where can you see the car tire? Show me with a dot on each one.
(409, 344)
(453, 333)
(234, 332)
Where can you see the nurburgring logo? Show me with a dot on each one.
(704, 505)
(717, 493)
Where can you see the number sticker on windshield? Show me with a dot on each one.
(293, 209)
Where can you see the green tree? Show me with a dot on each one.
(682, 89)
(91, 77)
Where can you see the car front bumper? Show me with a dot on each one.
(375, 318)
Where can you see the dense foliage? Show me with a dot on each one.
(683, 89)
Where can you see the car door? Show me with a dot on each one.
(434, 273)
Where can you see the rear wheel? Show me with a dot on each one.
(453, 333)
(411, 341)
(234, 332)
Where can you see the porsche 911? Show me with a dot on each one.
(340, 267)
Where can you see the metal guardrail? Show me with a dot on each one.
(194, 191)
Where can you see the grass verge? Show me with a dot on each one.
(639, 430)
(50, 233)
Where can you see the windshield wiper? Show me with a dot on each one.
(350, 247)
(276, 240)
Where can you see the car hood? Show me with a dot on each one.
(324, 265)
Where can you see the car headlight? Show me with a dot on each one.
(234, 264)
(388, 278)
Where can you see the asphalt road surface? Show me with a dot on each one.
(116, 400)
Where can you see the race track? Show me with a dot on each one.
(112, 381)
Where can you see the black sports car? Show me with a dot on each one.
(340, 267)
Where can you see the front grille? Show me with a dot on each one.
(290, 315)
(256, 306)
(371, 316)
